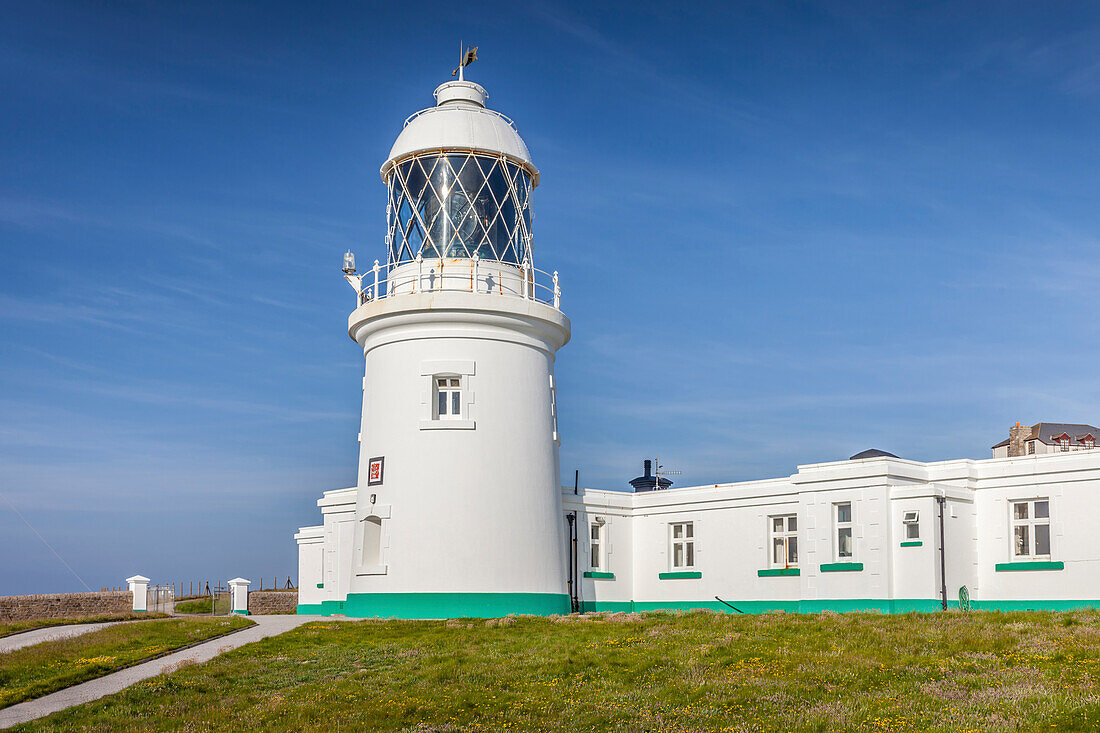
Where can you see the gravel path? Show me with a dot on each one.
(116, 682)
(51, 633)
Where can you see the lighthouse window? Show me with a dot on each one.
(448, 398)
(457, 205)
(683, 544)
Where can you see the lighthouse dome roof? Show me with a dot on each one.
(460, 121)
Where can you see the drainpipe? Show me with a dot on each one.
(574, 601)
(942, 500)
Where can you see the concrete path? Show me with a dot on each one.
(51, 633)
(94, 689)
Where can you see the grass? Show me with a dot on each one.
(631, 672)
(43, 668)
(202, 605)
(15, 627)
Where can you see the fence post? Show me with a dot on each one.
(375, 268)
(525, 266)
(238, 593)
(139, 587)
(557, 291)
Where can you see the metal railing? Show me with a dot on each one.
(502, 279)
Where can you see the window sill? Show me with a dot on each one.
(320, 585)
(371, 570)
(680, 575)
(771, 572)
(1002, 567)
(446, 424)
(841, 567)
(599, 575)
(912, 543)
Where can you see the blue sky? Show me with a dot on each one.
(786, 232)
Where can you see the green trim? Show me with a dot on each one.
(599, 575)
(777, 571)
(841, 567)
(680, 575)
(141, 610)
(1029, 565)
(243, 613)
(441, 605)
(320, 585)
(912, 543)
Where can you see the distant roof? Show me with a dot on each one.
(1045, 432)
(872, 453)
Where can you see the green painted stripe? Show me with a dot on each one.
(836, 605)
(680, 575)
(912, 543)
(777, 571)
(243, 613)
(598, 575)
(841, 567)
(1002, 567)
(442, 605)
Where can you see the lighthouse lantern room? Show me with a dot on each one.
(457, 509)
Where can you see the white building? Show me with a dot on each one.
(458, 509)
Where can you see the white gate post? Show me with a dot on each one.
(139, 587)
(238, 594)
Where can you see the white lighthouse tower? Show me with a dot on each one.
(457, 510)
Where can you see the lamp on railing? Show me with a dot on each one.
(349, 263)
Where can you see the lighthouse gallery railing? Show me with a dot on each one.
(442, 275)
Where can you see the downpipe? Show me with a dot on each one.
(942, 500)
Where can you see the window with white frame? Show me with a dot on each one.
(683, 544)
(596, 556)
(784, 536)
(448, 398)
(842, 520)
(1031, 528)
(1063, 444)
(911, 519)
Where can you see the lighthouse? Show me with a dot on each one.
(457, 510)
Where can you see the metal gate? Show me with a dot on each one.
(160, 598)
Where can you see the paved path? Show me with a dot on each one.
(94, 689)
(51, 633)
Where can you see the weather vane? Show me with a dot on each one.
(465, 58)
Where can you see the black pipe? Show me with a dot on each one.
(735, 608)
(941, 500)
(574, 601)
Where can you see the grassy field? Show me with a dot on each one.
(629, 672)
(14, 628)
(40, 669)
(202, 605)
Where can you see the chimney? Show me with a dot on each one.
(1017, 439)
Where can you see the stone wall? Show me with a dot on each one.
(265, 602)
(64, 605)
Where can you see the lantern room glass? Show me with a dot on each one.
(459, 205)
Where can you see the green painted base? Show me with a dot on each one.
(838, 605)
(441, 605)
(243, 613)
